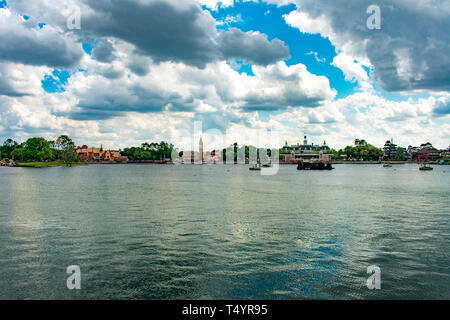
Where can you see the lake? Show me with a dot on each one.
(224, 232)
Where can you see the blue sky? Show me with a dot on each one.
(299, 67)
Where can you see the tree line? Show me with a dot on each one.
(40, 149)
(64, 149)
(149, 151)
(360, 150)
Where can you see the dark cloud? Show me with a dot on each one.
(103, 51)
(252, 47)
(115, 100)
(157, 28)
(21, 42)
(6, 89)
(139, 65)
(167, 31)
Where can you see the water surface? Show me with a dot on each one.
(224, 232)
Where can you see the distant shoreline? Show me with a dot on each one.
(63, 164)
(47, 164)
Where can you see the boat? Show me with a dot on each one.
(387, 165)
(266, 165)
(425, 167)
(255, 167)
(317, 165)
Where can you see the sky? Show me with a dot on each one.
(119, 73)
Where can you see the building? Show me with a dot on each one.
(99, 154)
(424, 149)
(304, 152)
(197, 157)
(389, 149)
(305, 146)
(427, 149)
(412, 151)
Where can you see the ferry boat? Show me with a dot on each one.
(425, 167)
(314, 165)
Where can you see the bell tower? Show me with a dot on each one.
(200, 150)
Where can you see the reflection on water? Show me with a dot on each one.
(224, 232)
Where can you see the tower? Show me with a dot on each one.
(200, 150)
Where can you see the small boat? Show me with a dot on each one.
(425, 167)
(255, 167)
(320, 165)
(267, 165)
(387, 165)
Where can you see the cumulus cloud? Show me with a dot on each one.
(408, 53)
(252, 47)
(352, 70)
(180, 88)
(178, 31)
(279, 86)
(20, 80)
(442, 106)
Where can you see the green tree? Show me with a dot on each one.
(7, 148)
(17, 154)
(400, 154)
(67, 148)
(37, 149)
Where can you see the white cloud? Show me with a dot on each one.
(407, 54)
(352, 69)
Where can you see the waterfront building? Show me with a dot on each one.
(389, 149)
(86, 153)
(424, 149)
(428, 149)
(412, 151)
(305, 146)
(304, 152)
